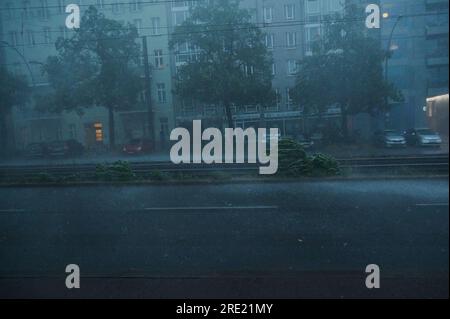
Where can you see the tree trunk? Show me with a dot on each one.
(112, 129)
(229, 114)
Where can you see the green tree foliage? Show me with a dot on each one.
(345, 70)
(231, 64)
(96, 67)
(14, 90)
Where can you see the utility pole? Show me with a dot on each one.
(388, 56)
(148, 90)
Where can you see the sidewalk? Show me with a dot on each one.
(367, 150)
(88, 159)
(338, 151)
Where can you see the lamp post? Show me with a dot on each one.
(23, 58)
(386, 69)
(388, 55)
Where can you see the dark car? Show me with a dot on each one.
(389, 138)
(65, 148)
(138, 146)
(423, 137)
(36, 150)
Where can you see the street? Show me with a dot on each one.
(267, 230)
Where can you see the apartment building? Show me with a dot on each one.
(290, 27)
(30, 30)
(419, 63)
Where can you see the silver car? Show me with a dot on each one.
(390, 138)
(423, 137)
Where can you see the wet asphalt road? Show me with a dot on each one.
(306, 239)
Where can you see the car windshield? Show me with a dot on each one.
(236, 149)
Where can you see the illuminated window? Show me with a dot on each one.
(98, 132)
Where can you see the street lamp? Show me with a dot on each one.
(389, 50)
(389, 46)
(23, 58)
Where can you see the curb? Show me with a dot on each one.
(223, 182)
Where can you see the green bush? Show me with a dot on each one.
(324, 165)
(118, 171)
(293, 161)
(291, 157)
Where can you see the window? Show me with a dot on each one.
(179, 17)
(64, 32)
(159, 60)
(270, 41)
(156, 25)
(289, 11)
(61, 6)
(268, 15)
(100, 4)
(292, 67)
(312, 6)
(26, 8)
(30, 38)
(135, 5)
(278, 98)
(162, 96)
(312, 34)
(289, 101)
(164, 121)
(274, 69)
(116, 7)
(43, 9)
(291, 39)
(13, 38)
(9, 11)
(249, 70)
(98, 132)
(47, 35)
(73, 131)
(138, 24)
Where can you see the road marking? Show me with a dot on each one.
(211, 208)
(12, 210)
(433, 204)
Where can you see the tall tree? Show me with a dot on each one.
(14, 90)
(345, 70)
(97, 66)
(228, 63)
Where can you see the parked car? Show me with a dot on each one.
(423, 137)
(138, 146)
(389, 138)
(65, 148)
(36, 150)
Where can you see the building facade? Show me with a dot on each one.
(418, 30)
(290, 27)
(30, 30)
